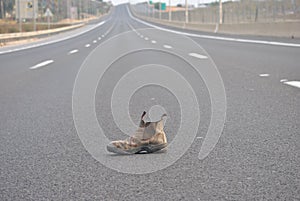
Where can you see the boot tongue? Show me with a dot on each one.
(148, 129)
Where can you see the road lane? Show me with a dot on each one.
(257, 156)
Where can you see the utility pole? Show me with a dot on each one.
(170, 12)
(186, 12)
(220, 12)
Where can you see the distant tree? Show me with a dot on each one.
(6, 6)
(214, 3)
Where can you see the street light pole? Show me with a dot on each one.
(220, 12)
(68, 9)
(186, 12)
(170, 12)
(79, 10)
(19, 13)
(153, 10)
(159, 9)
(147, 8)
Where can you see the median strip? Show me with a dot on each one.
(42, 64)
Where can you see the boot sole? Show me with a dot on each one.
(148, 149)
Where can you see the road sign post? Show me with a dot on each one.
(34, 15)
(48, 14)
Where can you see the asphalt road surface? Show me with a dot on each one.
(257, 157)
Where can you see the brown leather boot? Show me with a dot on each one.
(149, 137)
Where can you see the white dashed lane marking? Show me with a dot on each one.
(99, 38)
(153, 41)
(73, 51)
(42, 64)
(87, 45)
(283, 80)
(199, 56)
(167, 46)
(146, 38)
(264, 75)
(102, 36)
(94, 41)
(293, 83)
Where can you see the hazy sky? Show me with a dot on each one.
(173, 2)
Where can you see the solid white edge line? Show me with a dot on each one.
(283, 80)
(42, 64)
(196, 55)
(54, 41)
(293, 83)
(216, 37)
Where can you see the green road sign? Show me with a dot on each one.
(162, 6)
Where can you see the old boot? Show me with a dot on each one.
(149, 137)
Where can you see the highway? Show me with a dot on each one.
(246, 110)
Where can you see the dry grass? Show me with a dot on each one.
(13, 27)
(19, 42)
